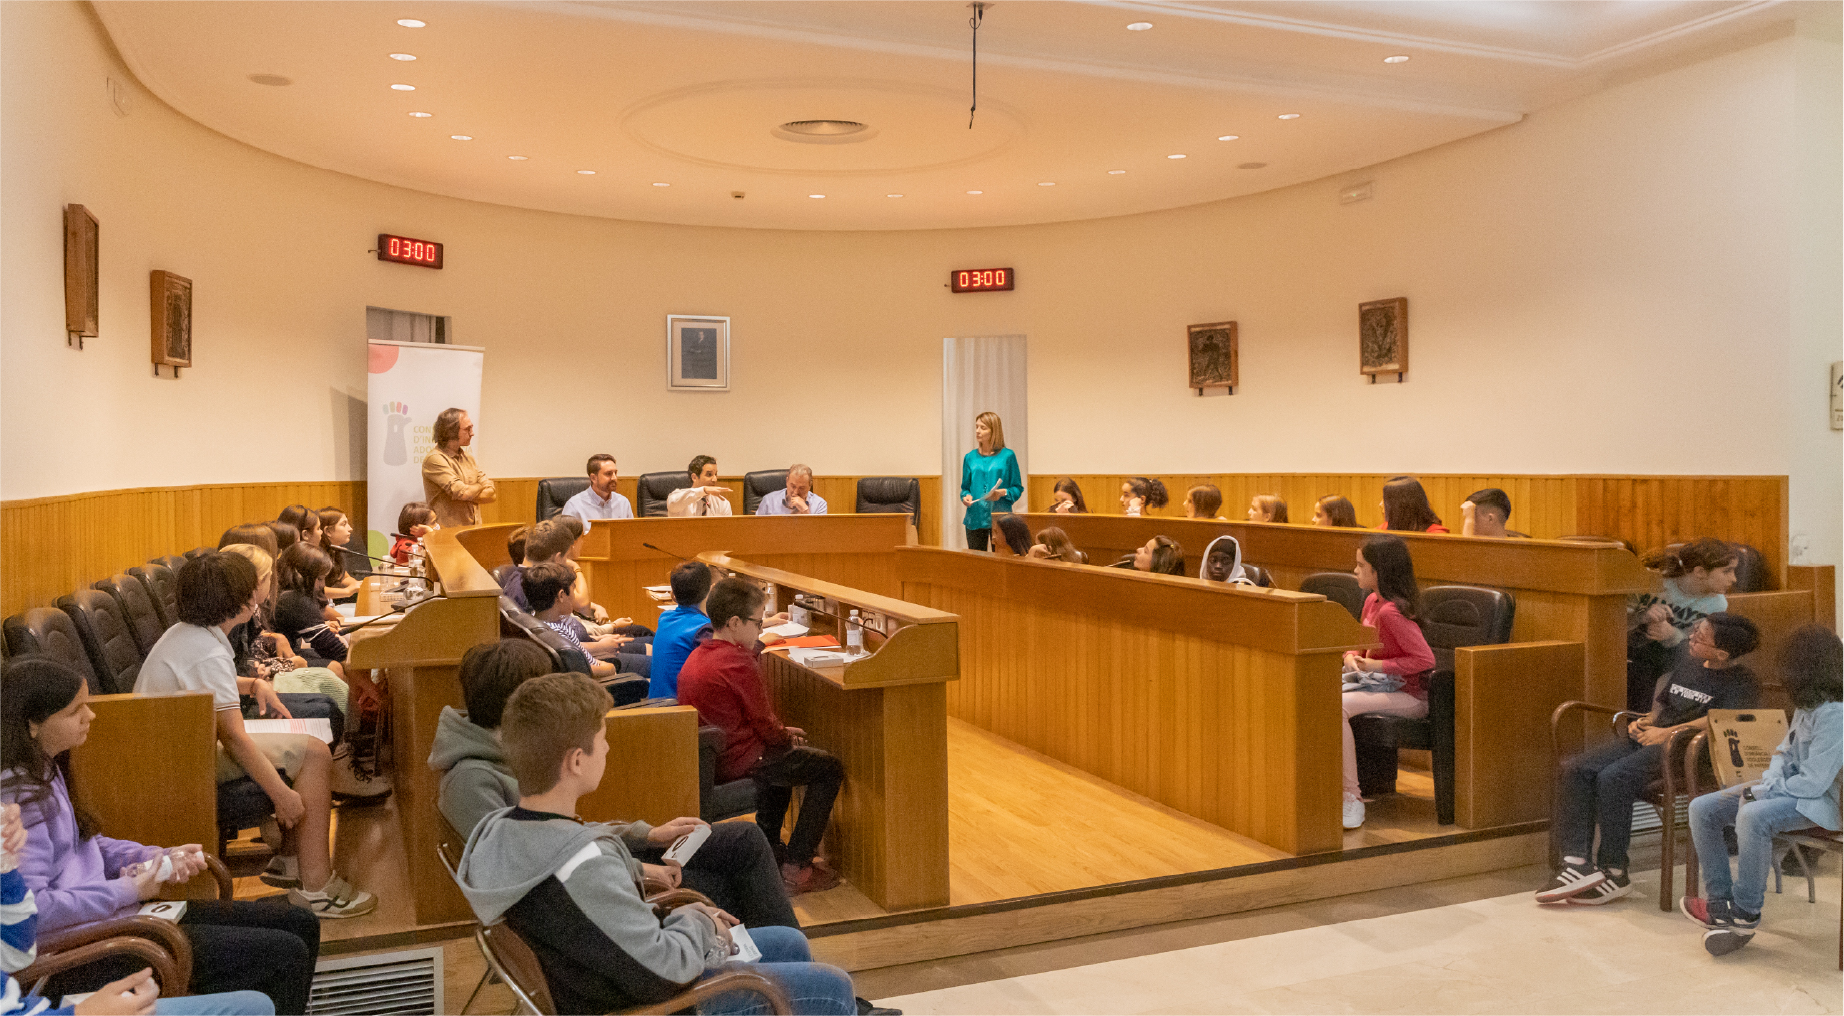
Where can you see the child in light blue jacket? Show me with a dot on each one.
(1799, 790)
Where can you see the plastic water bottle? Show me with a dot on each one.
(854, 637)
(797, 611)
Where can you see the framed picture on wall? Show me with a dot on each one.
(1213, 356)
(81, 293)
(170, 300)
(697, 353)
(1383, 337)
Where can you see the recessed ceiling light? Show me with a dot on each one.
(976, 192)
(1228, 137)
(411, 22)
(1398, 58)
(1252, 165)
(1048, 183)
(1116, 172)
(1289, 116)
(1174, 156)
(403, 88)
(461, 137)
(403, 56)
(1139, 26)
(585, 172)
(659, 184)
(273, 80)
(816, 195)
(421, 115)
(893, 195)
(518, 158)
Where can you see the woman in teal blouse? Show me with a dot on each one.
(989, 480)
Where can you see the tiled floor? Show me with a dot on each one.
(1496, 955)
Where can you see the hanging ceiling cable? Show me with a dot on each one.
(979, 12)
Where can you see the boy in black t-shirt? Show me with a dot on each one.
(1599, 786)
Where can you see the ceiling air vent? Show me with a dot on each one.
(824, 132)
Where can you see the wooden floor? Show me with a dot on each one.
(1019, 824)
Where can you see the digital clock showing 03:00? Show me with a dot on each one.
(981, 280)
(407, 251)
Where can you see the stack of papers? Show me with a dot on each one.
(786, 631)
(319, 727)
(817, 657)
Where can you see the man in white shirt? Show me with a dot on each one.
(703, 496)
(600, 501)
(797, 498)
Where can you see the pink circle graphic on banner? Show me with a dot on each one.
(383, 358)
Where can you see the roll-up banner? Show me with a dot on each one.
(410, 384)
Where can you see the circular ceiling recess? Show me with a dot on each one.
(824, 132)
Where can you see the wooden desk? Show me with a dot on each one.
(421, 656)
(853, 550)
(885, 716)
(1218, 702)
(1569, 592)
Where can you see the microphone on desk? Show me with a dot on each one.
(368, 557)
(398, 609)
(668, 553)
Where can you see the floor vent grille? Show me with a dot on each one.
(407, 983)
(1645, 817)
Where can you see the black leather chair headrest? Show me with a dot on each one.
(892, 495)
(554, 492)
(655, 488)
(1456, 616)
(760, 484)
(45, 632)
(138, 610)
(106, 639)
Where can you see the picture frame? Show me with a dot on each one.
(82, 294)
(1213, 355)
(1383, 338)
(697, 353)
(170, 304)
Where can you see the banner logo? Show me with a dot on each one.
(396, 418)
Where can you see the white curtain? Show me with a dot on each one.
(979, 375)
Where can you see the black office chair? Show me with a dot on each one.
(42, 631)
(170, 561)
(1451, 617)
(106, 637)
(1338, 586)
(655, 488)
(138, 610)
(716, 801)
(891, 495)
(1258, 575)
(504, 572)
(162, 588)
(196, 551)
(760, 484)
(556, 491)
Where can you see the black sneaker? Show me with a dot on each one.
(1611, 887)
(1570, 881)
(868, 1008)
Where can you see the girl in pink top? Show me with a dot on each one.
(1394, 678)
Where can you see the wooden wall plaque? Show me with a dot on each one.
(81, 293)
(170, 300)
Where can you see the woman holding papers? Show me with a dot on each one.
(989, 480)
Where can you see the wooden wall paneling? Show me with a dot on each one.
(1777, 615)
(1503, 697)
(1822, 580)
(145, 748)
(652, 767)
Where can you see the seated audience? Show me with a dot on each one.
(1142, 496)
(1161, 555)
(415, 520)
(79, 875)
(305, 521)
(1267, 508)
(1053, 545)
(1598, 788)
(722, 679)
(1392, 679)
(1406, 508)
(1223, 562)
(286, 535)
(300, 610)
(682, 628)
(550, 587)
(1485, 512)
(334, 532)
(1014, 532)
(136, 993)
(734, 867)
(797, 498)
(1693, 582)
(1798, 790)
(703, 495)
(264, 654)
(1066, 498)
(600, 501)
(593, 619)
(217, 592)
(255, 534)
(1334, 510)
(1204, 501)
(570, 890)
(515, 545)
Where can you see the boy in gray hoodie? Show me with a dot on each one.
(735, 867)
(569, 888)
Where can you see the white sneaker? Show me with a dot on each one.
(1354, 813)
(349, 783)
(336, 899)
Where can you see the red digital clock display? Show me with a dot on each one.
(982, 280)
(407, 251)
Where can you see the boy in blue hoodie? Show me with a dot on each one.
(570, 888)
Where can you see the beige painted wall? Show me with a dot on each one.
(1627, 283)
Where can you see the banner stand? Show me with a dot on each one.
(410, 384)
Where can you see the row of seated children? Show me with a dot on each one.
(620, 642)
(1405, 506)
